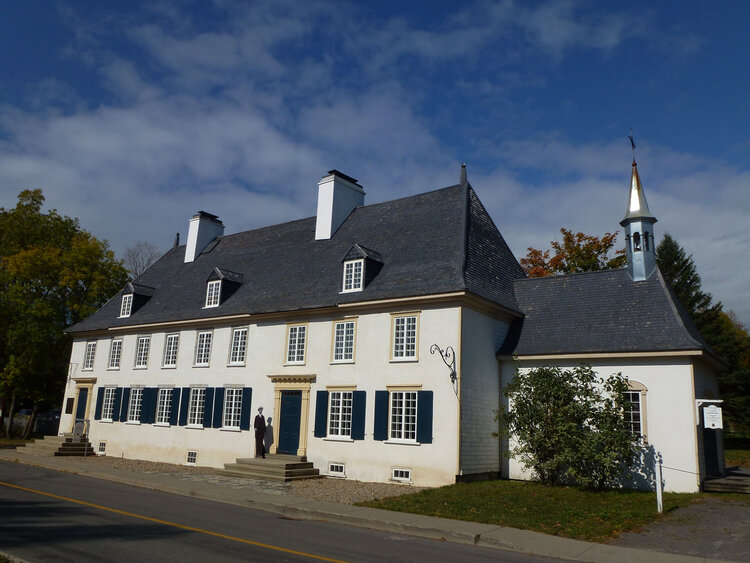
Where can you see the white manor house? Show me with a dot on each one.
(378, 339)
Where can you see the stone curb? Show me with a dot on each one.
(473, 533)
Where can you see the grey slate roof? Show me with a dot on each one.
(599, 312)
(437, 242)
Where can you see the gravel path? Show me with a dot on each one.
(330, 489)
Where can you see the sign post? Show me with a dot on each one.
(659, 492)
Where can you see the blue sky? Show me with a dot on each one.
(132, 116)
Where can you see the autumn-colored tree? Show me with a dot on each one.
(52, 275)
(576, 253)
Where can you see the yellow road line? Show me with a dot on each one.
(175, 525)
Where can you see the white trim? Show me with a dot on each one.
(126, 306)
(242, 346)
(213, 294)
(204, 346)
(175, 336)
(353, 277)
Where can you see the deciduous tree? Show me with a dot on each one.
(52, 275)
(140, 256)
(577, 252)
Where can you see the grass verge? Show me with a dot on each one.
(563, 511)
(737, 457)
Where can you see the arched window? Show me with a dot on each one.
(635, 409)
(637, 241)
(645, 240)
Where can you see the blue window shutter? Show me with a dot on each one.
(359, 399)
(424, 417)
(184, 405)
(148, 406)
(247, 395)
(99, 402)
(218, 406)
(175, 407)
(116, 406)
(321, 414)
(380, 431)
(208, 408)
(125, 404)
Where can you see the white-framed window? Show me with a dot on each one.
(635, 408)
(232, 407)
(192, 457)
(336, 469)
(102, 447)
(295, 350)
(353, 270)
(340, 414)
(127, 305)
(163, 405)
(134, 405)
(403, 419)
(343, 341)
(141, 353)
(88, 358)
(108, 404)
(213, 293)
(196, 406)
(405, 337)
(171, 345)
(115, 353)
(400, 474)
(239, 346)
(203, 348)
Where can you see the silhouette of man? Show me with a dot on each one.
(260, 432)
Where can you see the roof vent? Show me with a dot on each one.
(204, 227)
(338, 196)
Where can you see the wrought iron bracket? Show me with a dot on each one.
(449, 359)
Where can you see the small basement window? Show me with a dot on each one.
(401, 475)
(192, 457)
(102, 447)
(336, 470)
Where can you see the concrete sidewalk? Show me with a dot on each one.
(486, 535)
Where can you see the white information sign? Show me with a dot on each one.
(712, 417)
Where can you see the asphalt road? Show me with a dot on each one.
(47, 515)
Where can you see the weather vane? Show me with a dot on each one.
(632, 144)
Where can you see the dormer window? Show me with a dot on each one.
(353, 275)
(213, 293)
(127, 305)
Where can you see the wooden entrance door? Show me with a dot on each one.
(289, 422)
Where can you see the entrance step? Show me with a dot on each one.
(275, 467)
(44, 447)
(737, 481)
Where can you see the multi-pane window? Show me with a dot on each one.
(213, 293)
(232, 407)
(163, 406)
(295, 351)
(633, 412)
(405, 337)
(196, 406)
(343, 341)
(239, 346)
(171, 345)
(141, 353)
(88, 358)
(134, 406)
(127, 305)
(353, 275)
(115, 352)
(203, 348)
(403, 415)
(108, 403)
(340, 414)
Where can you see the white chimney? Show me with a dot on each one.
(338, 196)
(204, 227)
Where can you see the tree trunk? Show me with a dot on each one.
(31, 421)
(11, 414)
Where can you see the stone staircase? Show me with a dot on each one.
(736, 481)
(65, 445)
(275, 467)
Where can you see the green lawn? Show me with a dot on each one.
(563, 511)
(737, 457)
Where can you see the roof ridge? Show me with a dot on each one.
(572, 274)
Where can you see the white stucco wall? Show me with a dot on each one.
(481, 338)
(670, 418)
(373, 370)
